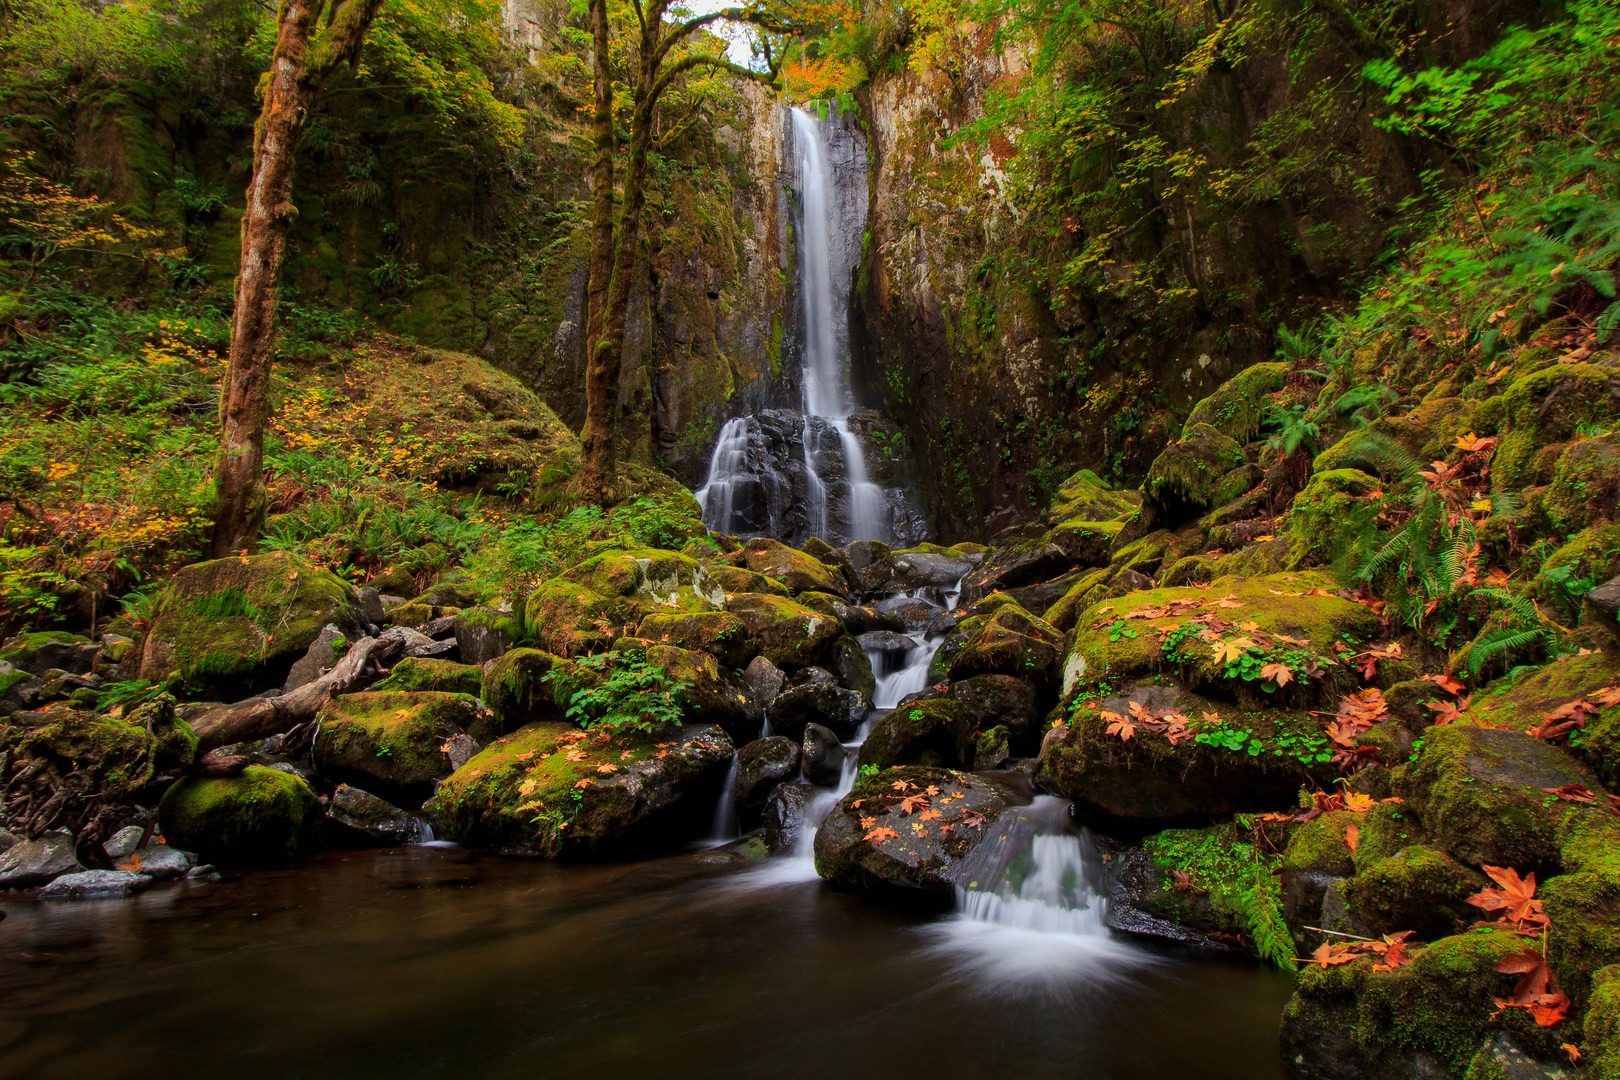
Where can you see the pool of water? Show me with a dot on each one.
(436, 962)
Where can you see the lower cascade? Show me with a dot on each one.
(1033, 874)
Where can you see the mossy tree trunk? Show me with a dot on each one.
(615, 239)
(307, 52)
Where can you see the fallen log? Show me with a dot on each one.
(262, 717)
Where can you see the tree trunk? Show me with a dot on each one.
(600, 463)
(299, 67)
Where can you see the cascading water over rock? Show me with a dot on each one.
(794, 475)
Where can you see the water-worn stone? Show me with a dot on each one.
(790, 635)
(262, 815)
(1011, 642)
(798, 571)
(934, 731)
(821, 701)
(424, 673)
(157, 860)
(899, 850)
(784, 816)
(35, 862)
(95, 885)
(365, 818)
(719, 633)
(821, 755)
(485, 633)
(850, 665)
(761, 766)
(1002, 700)
(633, 789)
(123, 843)
(50, 650)
(765, 679)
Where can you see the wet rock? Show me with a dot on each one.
(233, 627)
(122, 844)
(261, 815)
(1002, 700)
(920, 569)
(887, 642)
(798, 571)
(638, 790)
(856, 618)
(870, 562)
(36, 862)
(762, 765)
(368, 819)
(50, 650)
(820, 701)
(990, 749)
(158, 861)
(850, 665)
(442, 676)
(394, 740)
(1481, 794)
(518, 688)
(1024, 562)
(485, 633)
(1418, 889)
(1012, 642)
(370, 603)
(327, 649)
(822, 756)
(934, 731)
(95, 885)
(765, 679)
(784, 816)
(901, 851)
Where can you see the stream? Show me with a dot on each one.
(436, 962)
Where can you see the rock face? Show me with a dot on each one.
(821, 702)
(233, 627)
(762, 766)
(903, 849)
(933, 731)
(519, 794)
(262, 816)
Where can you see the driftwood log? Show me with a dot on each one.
(262, 717)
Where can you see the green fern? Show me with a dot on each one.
(1521, 627)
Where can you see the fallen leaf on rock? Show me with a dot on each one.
(877, 836)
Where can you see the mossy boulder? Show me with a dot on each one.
(1585, 484)
(709, 694)
(607, 595)
(887, 844)
(43, 650)
(1544, 407)
(1426, 1018)
(818, 699)
(1012, 642)
(1085, 497)
(932, 731)
(1332, 511)
(795, 569)
(1482, 795)
(1146, 778)
(1602, 1025)
(1238, 405)
(740, 579)
(1122, 639)
(1418, 889)
(425, 673)
(550, 789)
(518, 692)
(391, 741)
(1586, 559)
(1523, 699)
(261, 816)
(719, 633)
(1005, 701)
(1315, 859)
(788, 634)
(230, 628)
(1201, 470)
(484, 633)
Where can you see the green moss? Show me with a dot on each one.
(1329, 515)
(1318, 846)
(1587, 559)
(518, 693)
(1237, 407)
(1584, 910)
(1602, 1025)
(1235, 877)
(394, 738)
(262, 815)
(1583, 394)
(24, 648)
(1201, 471)
(446, 676)
(1585, 484)
(1418, 889)
(1085, 497)
(787, 634)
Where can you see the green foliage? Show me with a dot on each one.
(1517, 628)
(637, 695)
(1238, 880)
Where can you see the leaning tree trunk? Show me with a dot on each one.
(600, 464)
(305, 56)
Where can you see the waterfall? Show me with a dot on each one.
(827, 490)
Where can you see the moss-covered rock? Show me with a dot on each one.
(119, 759)
(789, 635)
(426, 673)
(1085, 497)
(1602, 1025)
(708, 694)
(933, 731)
(39, 651)
(901, 849)
(1238, 405)
(261, 816)
(740, 579)
(1418, 889)
(1585, 484)
(1146, 778)
(551, 789)
(1331, 512)
(229, 628)
(1203, 469)
(608, 595)
(719, 633)
(1005, 701)
(518, 692)
(1111, 641)
(795, 569)
(1012, 642)
(1544, 407)
(1426, 1018)
(393, 741)
(1481, 794)
(1589, 558)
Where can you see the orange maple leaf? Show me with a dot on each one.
(1515, 898)
(913, 803)
(1277, 673)
(877, 836)
(1352, 838)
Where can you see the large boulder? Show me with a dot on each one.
(708, 694)
(934, 731)
(789, 635)
(365, 819)
(485, 633)
(233, 627)
(395, 742)
(551, 789)
(719, 633)
(798, 571)
(426, 673)
(1200, 471)
(520, 688)
(762, 765)
(1003, 700)
(1150, 778)
(1482, 794)
(818, 701)
(906, 829)
(50, 650)
(1012, 642)
(263, 815)
(822, 756)
(608, 595)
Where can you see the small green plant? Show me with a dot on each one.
(1119, 629)
(868, 771)
(637, 695)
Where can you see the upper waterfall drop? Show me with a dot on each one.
(794, 475)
